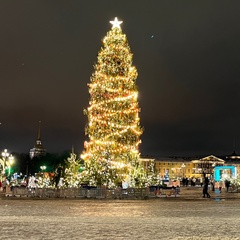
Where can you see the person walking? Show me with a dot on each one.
(205, 188)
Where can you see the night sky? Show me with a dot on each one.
(187, 54)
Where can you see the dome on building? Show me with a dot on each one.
(233, 156)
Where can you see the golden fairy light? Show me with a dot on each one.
(113, 114)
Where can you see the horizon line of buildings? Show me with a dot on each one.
(173, 167)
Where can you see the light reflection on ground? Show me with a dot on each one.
(119, 219)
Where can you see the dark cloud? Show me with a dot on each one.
(188, 72)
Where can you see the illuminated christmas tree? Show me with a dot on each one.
(111, 155)
(72, 176)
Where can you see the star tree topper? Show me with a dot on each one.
(116, 23)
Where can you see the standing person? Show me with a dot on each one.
(205, 188)
(227, 184)
(187, 180)
(220, 185)
(194, 181)
(177, 190)
(4, 184)
(183, 181)
(201, 181)
(213, 185)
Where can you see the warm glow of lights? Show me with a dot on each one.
(113, 114)
(115, 23)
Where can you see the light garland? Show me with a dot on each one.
(113, 127)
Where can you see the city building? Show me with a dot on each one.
(38, 150)
(193, 167)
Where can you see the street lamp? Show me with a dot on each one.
(43, 168)
(183, 167)
(10, 163)
(6, 161)
(5, 153)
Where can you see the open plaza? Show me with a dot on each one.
(109, 189)
(187, 217)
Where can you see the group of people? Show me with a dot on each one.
(226, 184)
(205, 183)
(193, 181)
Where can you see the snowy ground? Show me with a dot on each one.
(174, 218)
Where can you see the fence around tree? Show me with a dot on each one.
(83, 192)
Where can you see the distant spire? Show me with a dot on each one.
(39, 131)
(38, 150)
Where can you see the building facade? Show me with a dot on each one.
(178, 168)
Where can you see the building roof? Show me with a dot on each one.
(209, 159)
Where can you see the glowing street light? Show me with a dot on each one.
(5, 153)
(10, 163)
(43, 168)
(183, 167)
(6, 161)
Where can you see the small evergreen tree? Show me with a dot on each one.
(72, 174)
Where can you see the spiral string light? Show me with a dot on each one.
(113, 114)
